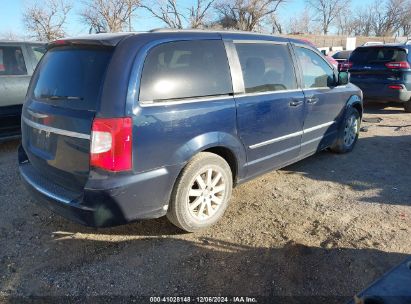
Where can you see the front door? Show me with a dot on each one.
(270, 112)
(324, 101)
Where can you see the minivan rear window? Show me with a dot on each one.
(370, 55)
(72, 77)
(185, 69)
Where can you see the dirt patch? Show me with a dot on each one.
(328, 225)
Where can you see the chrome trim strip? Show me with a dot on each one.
(182, 101)
(266, 93)
(319, 127)
(55, 130)
(284, 151)
(37, 115)
(273, 155)
(312, 140)
(291, 135)
(271, 141)
(255, 41)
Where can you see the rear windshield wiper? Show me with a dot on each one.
(58, 97)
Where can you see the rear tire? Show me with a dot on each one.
(201, 193)
(348, 133)
(407, 106)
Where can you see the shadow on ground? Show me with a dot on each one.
(383, 108)
(206, 266)
(378, 171)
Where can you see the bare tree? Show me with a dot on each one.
(275, 24)
(327, 11)
(345, 22)
(109, 15)
(198, 13)
(388, 16)
(362, 21)
(175, 17)
(405, 24)
(246, 15)
(166, 11)
(46, 21)
(302, 24)
(10, 35)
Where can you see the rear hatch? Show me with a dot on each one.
(371, 67)
(57, 117)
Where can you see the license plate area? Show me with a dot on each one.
(41, 139)
(42, 143)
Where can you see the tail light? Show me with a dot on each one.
(396, 87)
(111, 144)
(346, 65)
(398, 65)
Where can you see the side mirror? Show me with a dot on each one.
(343, 78)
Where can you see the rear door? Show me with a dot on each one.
(270, 111)
(369, 68)
(324, 100)
(57, 117)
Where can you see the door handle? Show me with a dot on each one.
(296, 102)
(312, 100)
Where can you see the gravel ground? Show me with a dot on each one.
(328, 225)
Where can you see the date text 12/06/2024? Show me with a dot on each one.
(203, 300)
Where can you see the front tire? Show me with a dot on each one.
(201, 193)
(348, 132)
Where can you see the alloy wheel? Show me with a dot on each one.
(206, 194)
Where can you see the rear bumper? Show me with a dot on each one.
(105, 201)
(382, 93)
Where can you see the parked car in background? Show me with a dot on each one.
(329, 58)
(383, 73)
(341, 57)
(371, 43)
(17, 63)
(167, 122)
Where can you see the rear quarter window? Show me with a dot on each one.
(72, 77)
(185, 69)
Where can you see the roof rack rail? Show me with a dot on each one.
(162, 29)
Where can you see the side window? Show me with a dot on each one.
(185, 69)
(316, 72)
(12, 61)
(266, 67)
(38, 52)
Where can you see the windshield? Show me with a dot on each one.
(72, 77)
(369, 55)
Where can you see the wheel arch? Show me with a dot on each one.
(355, 102)
(222, 144)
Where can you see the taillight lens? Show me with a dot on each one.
(111, 143)
(346, 65)
(398, 65)
(396, 87)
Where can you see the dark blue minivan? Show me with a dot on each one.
(120, 127)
